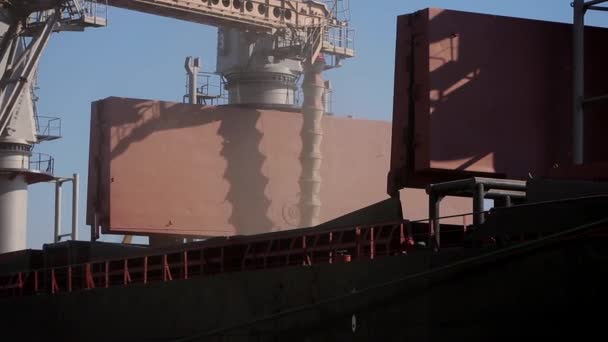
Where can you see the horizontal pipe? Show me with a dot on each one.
(596, 98)
(468, 184)
(504, 184)
(496, 193)
(578, 77)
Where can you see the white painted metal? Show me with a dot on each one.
(15, 147)
(59, 181)
(193, 66)
(25, 28)
(13, 213)
(252, 75)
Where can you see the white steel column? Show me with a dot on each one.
(13, 213)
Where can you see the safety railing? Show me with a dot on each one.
(340, 36)
(339, 40)
(42, 163)
(301, 247)
(211, 89)
(94, 12)
(79, 12)
(290, 248)
(48, 128)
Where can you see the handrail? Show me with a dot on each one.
(393, 282)
(41, 162)
(48, 126)
(301, 247)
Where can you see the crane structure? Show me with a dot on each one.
(264, 46)
(25, 28)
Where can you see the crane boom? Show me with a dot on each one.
(263, 16)
(305, 24)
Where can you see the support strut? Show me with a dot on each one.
(20, 71)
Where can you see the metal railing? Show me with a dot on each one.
(301, 247)
(94, 11)
(273, 250)
(47, 126)
(210, 86)
(84, 12)
(342, 37)
(42, 163)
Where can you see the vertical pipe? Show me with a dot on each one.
(434, 214)
(578, 120)
(192, 66)
(13, 213)
(478, 196)
(75, 207)
(192, 90)
(58, 184)
(312, 136)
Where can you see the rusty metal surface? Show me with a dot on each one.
(161, 167)
(490, 96)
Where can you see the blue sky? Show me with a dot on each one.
(142, 56)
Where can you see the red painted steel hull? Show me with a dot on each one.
(487, 95)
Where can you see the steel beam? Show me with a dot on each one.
(29, 59)
(590, 3)
(598, 8)
(578, 118)
(448, 188)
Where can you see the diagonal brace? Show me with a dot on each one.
(22, 72)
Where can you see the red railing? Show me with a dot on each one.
(288, 248)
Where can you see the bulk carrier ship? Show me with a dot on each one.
(270, 220)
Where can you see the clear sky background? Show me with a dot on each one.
(142, 56)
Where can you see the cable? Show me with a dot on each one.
(505, 251)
